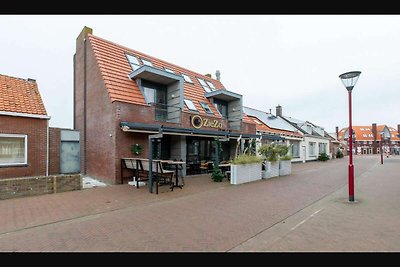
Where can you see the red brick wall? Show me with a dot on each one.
(54, 150)
(100, 124)
(36, 130)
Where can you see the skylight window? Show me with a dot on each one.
(133, 61)
(210, 85)
(190, 105)
(187, 78)
(205, 86)
(147, 62)
(169, 70)
(206, 107)
(362, 129)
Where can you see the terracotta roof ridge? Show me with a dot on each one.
(17, 78)
(161, 60)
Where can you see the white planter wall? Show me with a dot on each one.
(285, 167)
(244, 173)
(274, 168)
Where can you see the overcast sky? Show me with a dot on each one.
(291, 60)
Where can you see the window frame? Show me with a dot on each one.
(25, 136)
(191, 101)
(188, 81)
(204, 84)
(132, 63)
(147, 62)
(205, 106)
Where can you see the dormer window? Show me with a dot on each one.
(133, 61)
(147, 62)
(187, 78)
(206, 107)
(190, 105)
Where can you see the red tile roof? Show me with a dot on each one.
(260, 126)
(20, 96)
(364, 133)
(114, 67)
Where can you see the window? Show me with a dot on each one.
(147, 62)
(210, 85)
(222, 107)
(187, 78)
(13, 149)
(190, 105)
(206, 107)
(322, 148)
(311, 148)
(204, 84)
(362, 129)
(169, 70)
(367, 129)
(133, 61)
(364, 135)
(295, 150)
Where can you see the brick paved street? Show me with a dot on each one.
(208, 216)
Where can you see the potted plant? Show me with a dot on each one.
(323, 157)
(270, 153)
(217, 175)
(245, 168)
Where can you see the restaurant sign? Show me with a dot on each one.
(198, 122)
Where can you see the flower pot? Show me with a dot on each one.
(244, 173)
(285, 167)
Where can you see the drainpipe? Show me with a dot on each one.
(47, 149)
(84, 107)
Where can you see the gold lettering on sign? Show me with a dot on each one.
(198, 122)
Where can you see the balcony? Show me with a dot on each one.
(167, 113)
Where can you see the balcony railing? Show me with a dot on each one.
(167, 113)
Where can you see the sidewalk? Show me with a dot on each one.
(371, 223)
(306, 211)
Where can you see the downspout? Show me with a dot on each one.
(47, 150)
(84, 107)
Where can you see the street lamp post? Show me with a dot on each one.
(381, 147)
(349, 80)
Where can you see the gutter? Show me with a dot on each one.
(27, 115)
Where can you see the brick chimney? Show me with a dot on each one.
(278, 110)
(208, 75)
(375, 143)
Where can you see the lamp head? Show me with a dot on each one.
(349, 79)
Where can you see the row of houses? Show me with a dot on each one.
(373, 139)
(122, 97)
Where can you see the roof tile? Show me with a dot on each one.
(20, 96)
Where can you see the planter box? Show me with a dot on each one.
(271, 169)
(285, 167)
(244, 173)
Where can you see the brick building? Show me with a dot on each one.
(24, 127)
(121, 96)
(369, 139)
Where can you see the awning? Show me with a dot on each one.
(155, 75)
(224, 95)
(156, 128)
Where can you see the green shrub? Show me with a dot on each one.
(217, 175)
(246, 159)
(323, 157)
(273, 152)
(339, 154)
(286, 157)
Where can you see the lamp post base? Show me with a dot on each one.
(351, 182)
